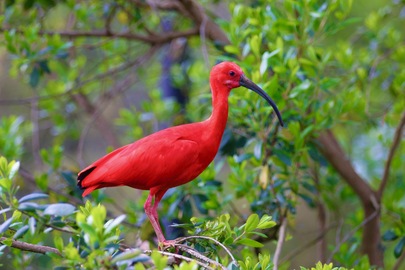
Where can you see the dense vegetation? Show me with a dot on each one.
(89, 76)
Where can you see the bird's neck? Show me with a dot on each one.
(219, 116)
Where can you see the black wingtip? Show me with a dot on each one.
(83, 175)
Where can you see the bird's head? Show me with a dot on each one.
(231, 76)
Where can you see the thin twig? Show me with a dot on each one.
(280, 243)
(31, 247)
(350, 234)
(199, 256)
(178, 256)
(304, 247)
(78, 85)
(119, 88)
(395, 143)
(182, 239)
(35, 140)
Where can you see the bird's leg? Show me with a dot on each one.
(151, 212)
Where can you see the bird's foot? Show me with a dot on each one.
(167, 244)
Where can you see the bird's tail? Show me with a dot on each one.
(81, 176)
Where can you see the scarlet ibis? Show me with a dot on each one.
(173, 156)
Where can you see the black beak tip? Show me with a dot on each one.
(245, 82)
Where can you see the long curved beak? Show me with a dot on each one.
(245, 82)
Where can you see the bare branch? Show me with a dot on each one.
(371, 239)
(195, 11)
(181, 257)
(200, 257)
(35, 139)
(368, 219)
(119, 88)
(182, 239)
(134, 63)
(304, 247)
(395, 143)
(280, 242)
(31, 247)
(150, 39)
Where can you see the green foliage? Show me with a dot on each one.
(220, 229)
(320, 266)
(12, 131)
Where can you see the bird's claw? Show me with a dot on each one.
(167, 244)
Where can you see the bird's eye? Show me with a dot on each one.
(232, 73)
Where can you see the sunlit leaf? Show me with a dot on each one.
(60, 209)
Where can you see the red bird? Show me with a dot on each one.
(173, 156)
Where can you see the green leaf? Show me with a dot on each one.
(305, 85)
(390, 235)
(251, 223)
(34, 77)
(159, 260)
(21, 231)
(32, 222)
(126, 255)
(111, 224)
(59, 209)
(5, 225)
(243, 157)
(33, 196)
(199, 200)
(58, 241)
(14, 166)
(266, 222)
(5, 210)
(399, 248)
(97, 216)
(250, 243)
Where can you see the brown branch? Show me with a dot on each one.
(78, 85)
(109, 19)
(195, 11)
(322, 215)
(334, 153)
(305, 246)
(182, 239)
(119, 88)
(367, 220)
(181, 257)
(395, 143)
(200, 257)
(371, 239)
(150, 39)
(280, 242)
(35, 138)
(100, 121)
(31, 247)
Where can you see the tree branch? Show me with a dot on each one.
(395, 143)
(150, 39)
(195, 11)
(334, 153)
(31, 247)
(351, 233)
(371, 239)
(280, 243)
(305, 246)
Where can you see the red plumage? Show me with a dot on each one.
(173, 156)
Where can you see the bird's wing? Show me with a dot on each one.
(161, 159)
